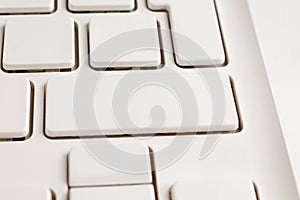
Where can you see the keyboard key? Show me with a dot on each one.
(39, 44)
(101, 5)
(26, 6)
(14, 108)
(197, 21)
(112, 46)
(61, 121)
(214, 190)
(25, 192)
(86, 170)
(136, 192)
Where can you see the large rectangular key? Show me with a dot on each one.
(139, 104)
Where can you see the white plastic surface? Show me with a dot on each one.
(136, 192)
(101, 5)
(109, 33)
(250, 153)
(214, 190)
(85, 169)
(27, 6)
(194, 21)
(282, 65)
(39, 43)
(24, 192)
(14, 108)
(63, 118)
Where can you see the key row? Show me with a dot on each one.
(119, 41)
(90, 176)
(132, 104)
(192, 190)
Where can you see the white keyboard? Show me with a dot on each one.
(137, 99)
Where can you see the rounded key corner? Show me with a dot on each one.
(71, 7)
(220, 61)
(5, 68)
(94, 65)
(52, 7)
(173, 187)
(9, 67)
(132, 7)
(50, 133)
(25, 135)
(6, 64)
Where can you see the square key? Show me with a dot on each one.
(15, 108)
(39, 44)
(122, 41)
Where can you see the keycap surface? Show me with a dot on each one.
(25, 192)
(139, 113)
(124, 41)
(101, 5)
(14, 107)
(27, 6)
(87, 169)
(39, 44)
(196, 33)
(136, 192)
(214, 190)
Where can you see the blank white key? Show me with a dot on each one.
(197, 21)
(101, 5)
(214, 190)
(24, 192)
(14, 107)
(86, 169)
(39, 43)
(64, 118)
(26, 6)
(137, 192)
(124, 41)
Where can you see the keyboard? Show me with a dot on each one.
(137, 99)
